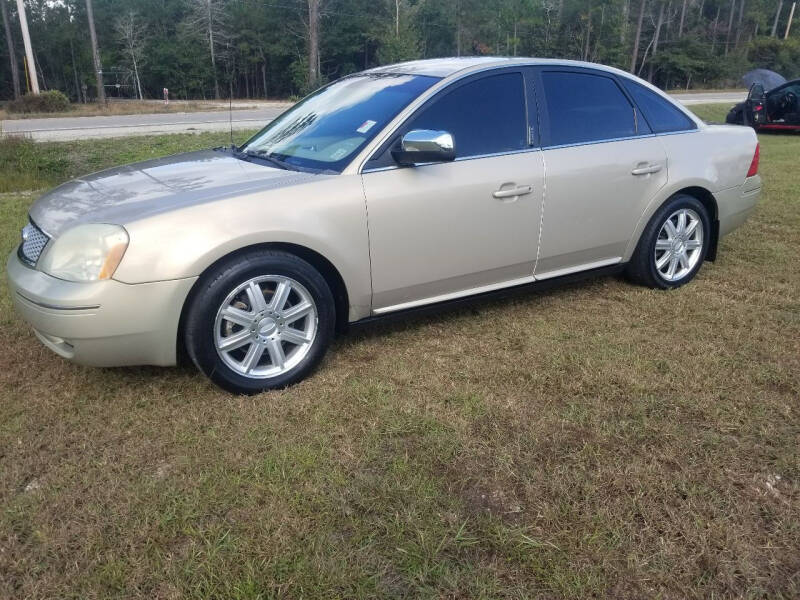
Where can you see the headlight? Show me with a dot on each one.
(85, 253)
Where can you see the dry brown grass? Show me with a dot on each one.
(601, 440)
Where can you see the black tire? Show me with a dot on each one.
(735, 116)
(212, 291)
(642, 267)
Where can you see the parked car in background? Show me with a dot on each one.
(777, 109)
(388, 190)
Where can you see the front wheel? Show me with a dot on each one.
(260, 321)
(673, 246)
(735, 116)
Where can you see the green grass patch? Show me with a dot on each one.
(711, 113)
(26, 165)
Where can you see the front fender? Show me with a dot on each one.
(327, 217)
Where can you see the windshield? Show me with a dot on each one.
(328, 128)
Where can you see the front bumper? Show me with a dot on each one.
(103, 323)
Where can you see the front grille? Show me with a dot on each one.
(33, 242)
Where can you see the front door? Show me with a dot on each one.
(439, 231)
(755, 112)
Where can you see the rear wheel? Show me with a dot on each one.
(673, 246)
(260, 321)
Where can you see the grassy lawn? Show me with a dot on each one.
(713, 113)
(25, 165)
(600, 440)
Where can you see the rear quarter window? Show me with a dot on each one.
(660, 114)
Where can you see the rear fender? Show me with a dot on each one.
(697, 188)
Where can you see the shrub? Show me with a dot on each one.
(46, 102)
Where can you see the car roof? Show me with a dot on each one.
(783, 85)
(445, 67)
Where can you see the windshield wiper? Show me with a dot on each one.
(264, 155)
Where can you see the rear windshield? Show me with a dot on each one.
(328, 128)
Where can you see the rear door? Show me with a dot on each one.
(603, 166)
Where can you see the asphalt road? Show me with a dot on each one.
(78, 128)
(690, 98)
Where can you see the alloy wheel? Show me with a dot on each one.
(679, 245)
(265, 326)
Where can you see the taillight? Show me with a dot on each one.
(758, 107)
(753, 170)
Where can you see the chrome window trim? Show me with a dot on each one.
(379, 169)
(602, 141)
(459, 159)
(620, 139)
(693, 130)
(534, 149)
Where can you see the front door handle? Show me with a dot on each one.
(513, 192)
(646, 170)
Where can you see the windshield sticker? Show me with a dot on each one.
(340, 153)
(366, 126)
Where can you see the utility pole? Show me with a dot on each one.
(98, 66)
(26, 40)
(789, 24)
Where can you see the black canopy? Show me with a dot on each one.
(769, 79)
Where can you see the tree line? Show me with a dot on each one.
(284, 48)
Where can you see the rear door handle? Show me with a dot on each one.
(646, 170)
(513, 192)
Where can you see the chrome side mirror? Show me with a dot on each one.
(425, 145)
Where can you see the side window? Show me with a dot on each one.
(660, 114)
(485, 116)
(586, 108)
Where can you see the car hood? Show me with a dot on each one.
(131, 192)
